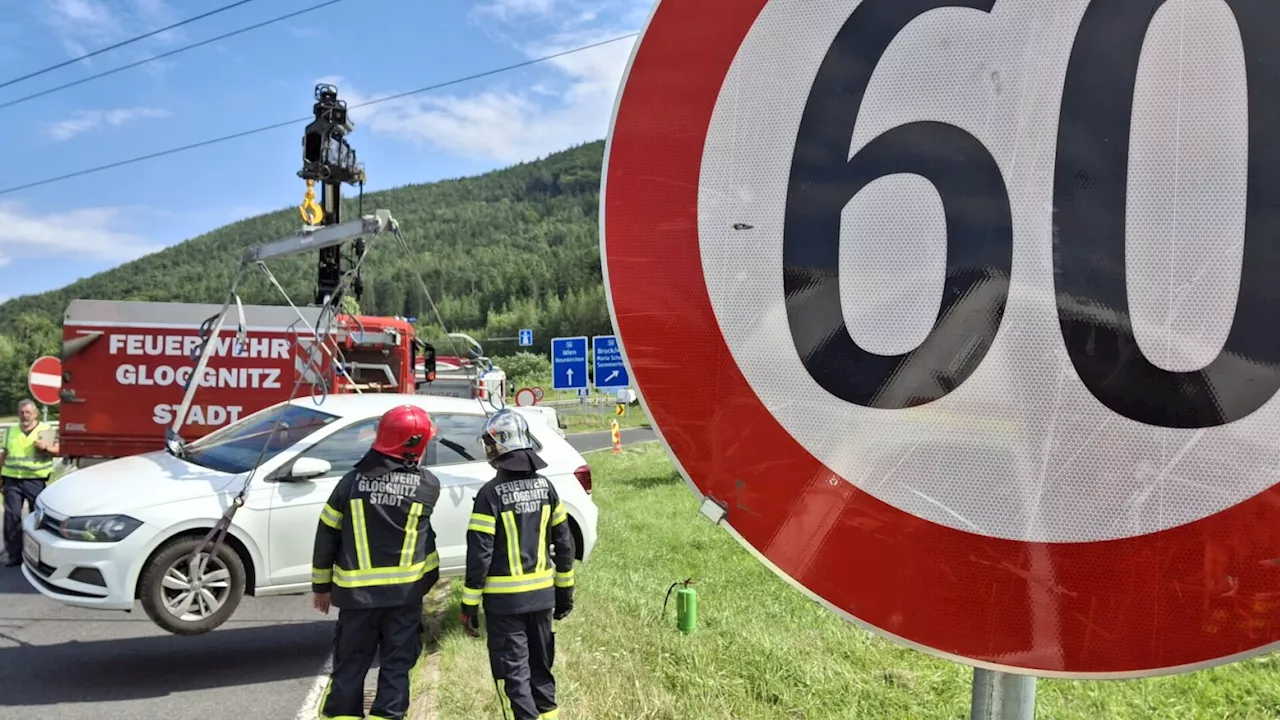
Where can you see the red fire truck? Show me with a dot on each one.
(126, 366)
(464, 378)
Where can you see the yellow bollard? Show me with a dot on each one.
(617, 437)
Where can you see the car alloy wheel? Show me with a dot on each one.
(174, 600)
(190, 594)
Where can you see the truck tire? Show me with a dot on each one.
(171, 601)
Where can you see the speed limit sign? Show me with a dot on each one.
(990, 292)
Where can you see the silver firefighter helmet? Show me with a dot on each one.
(505, 431)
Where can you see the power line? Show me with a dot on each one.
(121, 44)
(275, 126)
(161, 56)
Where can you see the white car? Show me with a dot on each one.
(124, 530)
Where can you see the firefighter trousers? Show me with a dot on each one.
(394, 636)
(522, 649)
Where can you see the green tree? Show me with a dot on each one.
(30, 336)
(525, 369)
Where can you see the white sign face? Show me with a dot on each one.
(1095, 357)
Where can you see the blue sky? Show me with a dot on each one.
(54, 234)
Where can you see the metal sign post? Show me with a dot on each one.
(1002, 696)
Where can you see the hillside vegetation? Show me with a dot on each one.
(510, 249)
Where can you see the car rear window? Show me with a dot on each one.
(459, 439)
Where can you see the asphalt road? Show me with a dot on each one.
(63, 663)
(590, 442)
(66, 663)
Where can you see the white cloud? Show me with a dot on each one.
(83, 121)
(508, 123)
(85, 25)
(86, 234)
(507, 10)
(84, 17)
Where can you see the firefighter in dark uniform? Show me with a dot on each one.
(375, 552)
(520, 563)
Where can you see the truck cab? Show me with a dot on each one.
(378, 354)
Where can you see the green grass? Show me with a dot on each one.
(762, 649)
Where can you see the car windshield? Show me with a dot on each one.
(236, 447)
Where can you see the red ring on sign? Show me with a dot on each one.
(1196, 595)
(44, 380)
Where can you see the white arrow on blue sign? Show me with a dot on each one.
(568, 363)
(610, 371)
(526, 337)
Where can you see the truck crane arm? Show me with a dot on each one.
(330, 160)
(323, 238)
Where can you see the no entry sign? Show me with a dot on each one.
(44, 379)
(985, 294)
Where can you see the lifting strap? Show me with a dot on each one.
(217, 535)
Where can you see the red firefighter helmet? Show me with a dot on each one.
(404, 431)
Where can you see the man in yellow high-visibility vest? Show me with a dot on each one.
(26, 462)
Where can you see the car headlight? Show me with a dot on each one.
(98, 528)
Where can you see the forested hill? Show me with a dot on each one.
(513, 248)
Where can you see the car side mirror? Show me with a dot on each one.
(307, 468)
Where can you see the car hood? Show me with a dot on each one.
(130, 483)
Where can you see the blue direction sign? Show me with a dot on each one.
(526, 338)
(610, 371)
(568, 363)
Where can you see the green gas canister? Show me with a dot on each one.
(686, 605)
(687, 609)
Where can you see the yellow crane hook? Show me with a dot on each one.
(312, 213)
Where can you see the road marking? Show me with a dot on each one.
(310, 709)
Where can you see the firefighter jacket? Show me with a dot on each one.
(518, 529)
(375, 546)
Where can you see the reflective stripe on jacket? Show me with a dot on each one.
(375, 546)
(21, 460)
(519, 546)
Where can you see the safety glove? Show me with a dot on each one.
(471, 620)
(564, 603)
